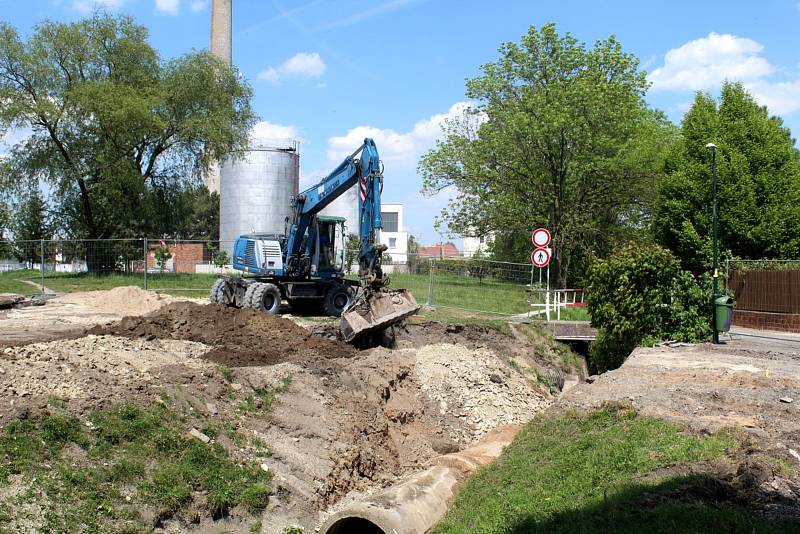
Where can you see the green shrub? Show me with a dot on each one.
(638, 293)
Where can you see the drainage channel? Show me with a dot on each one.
(416, 504)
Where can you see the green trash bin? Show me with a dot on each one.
(724, 309)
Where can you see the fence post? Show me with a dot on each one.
(430, 282)
(145, 263)
(41, 263)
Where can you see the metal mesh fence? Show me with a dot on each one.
(55, 266)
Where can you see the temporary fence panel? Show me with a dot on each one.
(465, 283)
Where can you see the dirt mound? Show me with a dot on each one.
(240, 337)
(126, 300)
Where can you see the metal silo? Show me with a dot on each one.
(256, 189)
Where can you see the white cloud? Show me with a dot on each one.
(780, 97)
(398, 150)
(170, 7)
(704, 64)
(198, 5)
(300, 65)
(86, 6)
(269, 130)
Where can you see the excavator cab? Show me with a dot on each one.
(329, 231)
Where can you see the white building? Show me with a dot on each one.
(393, 234)
(472, 245)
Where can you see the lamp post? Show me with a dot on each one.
(715, 276)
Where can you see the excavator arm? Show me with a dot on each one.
(376, 307)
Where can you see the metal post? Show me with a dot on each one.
(430, 282)
(547, 295)
(714, 266)
(558, 305)
(531, 294)
(145, 264)
(41, 263)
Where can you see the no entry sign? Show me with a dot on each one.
(540, 238)
(540, 257)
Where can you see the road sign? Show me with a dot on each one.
(541, 237)
(540, 257)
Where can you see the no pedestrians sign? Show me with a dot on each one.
(540, 257)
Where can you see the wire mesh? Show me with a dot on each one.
(55, 266)
(64, 265)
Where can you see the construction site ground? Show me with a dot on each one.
(331, 424)
(344, 422)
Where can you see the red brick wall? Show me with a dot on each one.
(783, 322)
(185, 256)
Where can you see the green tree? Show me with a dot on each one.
(162, 255)
(758, 190)
(111, 121)
(185, 211)
(30, 222)
(640, 292)
(219, 258)
(351, 252)
(561, 137)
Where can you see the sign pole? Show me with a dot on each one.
(547, 298)
(540, 257)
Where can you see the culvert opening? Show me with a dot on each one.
(354, 525)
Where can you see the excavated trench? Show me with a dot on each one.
(353, 422)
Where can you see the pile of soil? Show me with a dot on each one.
(240, 337)
(473, 336)
(121, 301)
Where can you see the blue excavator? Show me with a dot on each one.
(302, 267)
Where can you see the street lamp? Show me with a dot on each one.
(715, 276)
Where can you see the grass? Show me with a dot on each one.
(584, 473)
(93, 476)
(180, 283)
(466, 292)
(460, 293)
(226, 372)
(263, 399)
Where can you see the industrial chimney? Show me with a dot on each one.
(221, 46)
(221, 24)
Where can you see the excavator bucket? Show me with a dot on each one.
(379, 309)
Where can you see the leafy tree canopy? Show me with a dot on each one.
(758, 187)
(114, 125)
(560, 137)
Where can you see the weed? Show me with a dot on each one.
(264, 398)
(255, 528)
(55, 402)
(225, 372)
(294, 529)
(260, 446)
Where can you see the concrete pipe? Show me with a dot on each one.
(416, 504)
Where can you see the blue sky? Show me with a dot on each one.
(330, 73)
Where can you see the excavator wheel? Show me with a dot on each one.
(338, 298)
(263, 297)
(221, 293)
